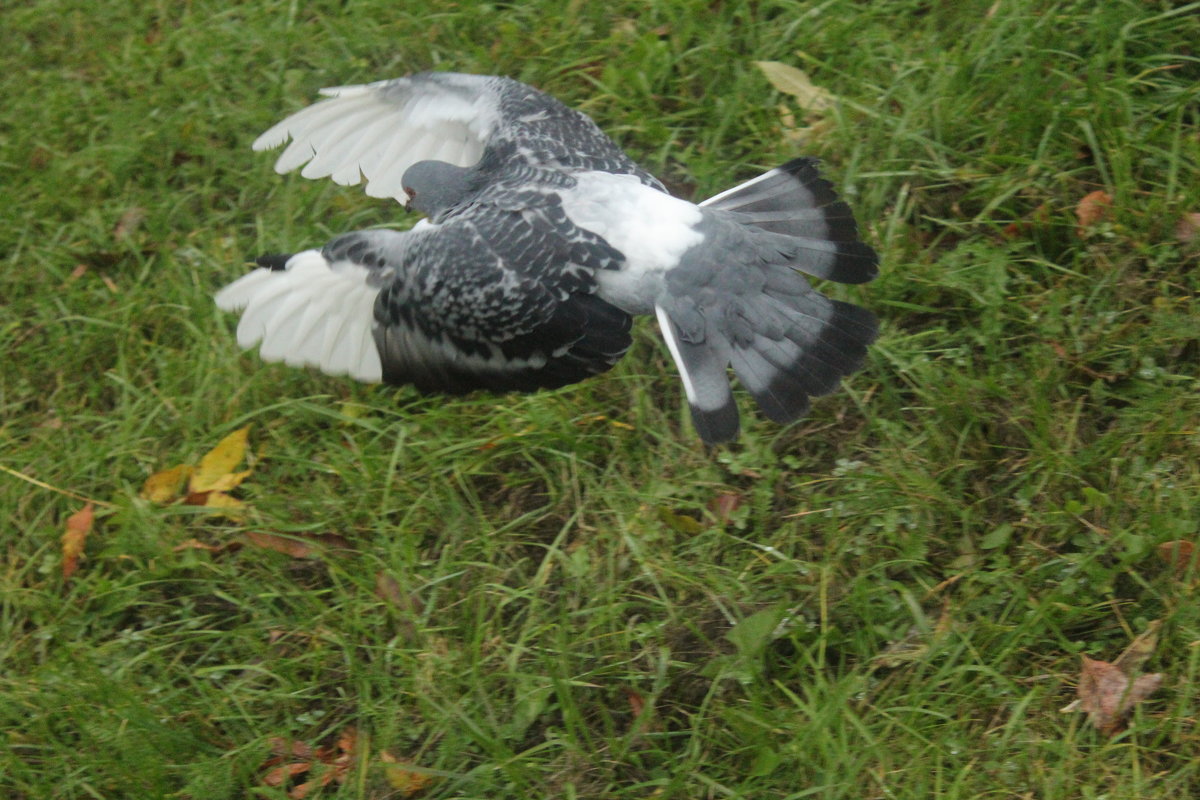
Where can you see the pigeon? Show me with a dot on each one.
(541, 239)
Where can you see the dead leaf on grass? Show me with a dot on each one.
(1187, 230)
(321, 765)
(215, 471)
(1093, 207)
(814, 101)
(208, 484)
(402, 776)
(296, 548)
(164, 487)
(1178, 555)
(1107, 692)
(78, 526)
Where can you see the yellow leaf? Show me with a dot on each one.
(229, 506)
(403, 775)
(229, 480)
(164, 486)
(794, 81)
(219, 462)
(79, 525)
(680, 522)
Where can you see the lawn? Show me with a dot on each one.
(565, 595)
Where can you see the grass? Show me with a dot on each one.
(887, 599)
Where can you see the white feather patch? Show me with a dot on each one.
(311, 313)
(651, 228)
(378, 130)
(668, 332)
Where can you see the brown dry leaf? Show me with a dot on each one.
(325, 764)
(215, 472)
(1107, 695)
(1178, 555)
(296, 548)
(1107, 692)
(279, 775)
(129, 222)
(79, 525)
(290, 747)
(165, 486)
(637, 703)
(1093, 207)
(723, 505)
(402, 777)
(1187, 230)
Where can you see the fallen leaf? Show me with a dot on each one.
(296, 548)
(1187, 230)
(278, 775)
(1107, 695)
(325, 764)
(216, 467)
(1093, 207)
(680, 522)
(79, 525)
(129, 222)
(637, 703)
(795, 82)
(1178, 555)
(1107, 692)
(229, 506)
(402, 777)
(163, 487)
(723, 505)
(290, 747)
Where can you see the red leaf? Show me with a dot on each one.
(1178, 555)
(280, 544)
(79, 525)
(1093, 207)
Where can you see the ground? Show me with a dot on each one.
(564, 594)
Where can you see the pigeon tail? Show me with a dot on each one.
(788, 346)
(785, 341)
(799, 216)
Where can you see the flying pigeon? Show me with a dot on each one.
(541, 240)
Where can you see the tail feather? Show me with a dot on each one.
(811, 229)
(785, 341)
(702, 358)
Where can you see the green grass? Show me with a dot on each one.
(990, 490)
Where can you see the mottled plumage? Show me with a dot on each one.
(542, 239)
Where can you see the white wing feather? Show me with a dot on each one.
(378, 130)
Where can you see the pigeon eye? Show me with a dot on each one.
(411, 194)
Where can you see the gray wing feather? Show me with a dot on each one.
(498, 296)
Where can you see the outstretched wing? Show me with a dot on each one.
(500, 297)
(376, 131)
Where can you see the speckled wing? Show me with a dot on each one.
(500, 296)
(376, 131)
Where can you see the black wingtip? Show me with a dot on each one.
(276, 262)
(717, 426)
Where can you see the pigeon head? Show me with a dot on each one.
(434, 186)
